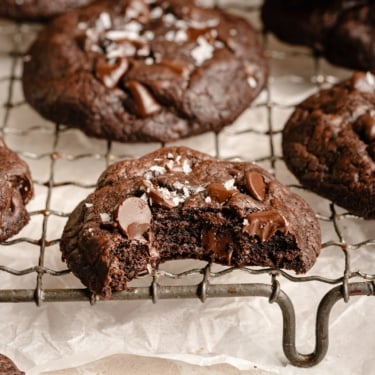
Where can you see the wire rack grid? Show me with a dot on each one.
(46, 163)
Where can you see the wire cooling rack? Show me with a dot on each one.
(52, 187)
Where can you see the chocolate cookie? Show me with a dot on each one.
(135, 70)
(329, 144)
(178, 203)
(16, 190)
(37, 10)
(341, 30)
(7, 367)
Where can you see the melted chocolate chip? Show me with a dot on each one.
(194, 33)
(146, 104)
(217, 243)
(218, 192)
(137, 230)
(134, 217)
(255, 185)
(178, 66)
(265, 224)
(365, 127)
(161, 198)
(111, 73)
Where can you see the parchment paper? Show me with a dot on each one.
(244, 332)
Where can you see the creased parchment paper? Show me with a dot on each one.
(242, 332)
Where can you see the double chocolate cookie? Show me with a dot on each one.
(329, 144)
(7, 367)
(177, 203)
(16, 190)
(341, 30)
(37, 10)
(137, 70)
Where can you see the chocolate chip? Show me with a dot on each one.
(162, 198)
(365, 127)
(218, 192)
(137, 230)
(111, 73)
(255, 185)
(218, 243)
(146, 104)
(194, 33)
(178, 66)
(134, 217)
(265, 224)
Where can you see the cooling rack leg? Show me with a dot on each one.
(322, 321)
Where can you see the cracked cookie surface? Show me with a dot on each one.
(329, 144)
(133, 70)
(341, 30)
(37, 10)
(177, 203)
(16, 189)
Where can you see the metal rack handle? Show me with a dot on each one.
(217, 291)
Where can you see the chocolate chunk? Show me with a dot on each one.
(218, 243)
(162, 198)
(255, 185)
(134, 217)
(146, 104)
(195, 33)
(265, 224)
(365, 127)
(185, 222)
(178, 66)
(111, 73)
(218, 192)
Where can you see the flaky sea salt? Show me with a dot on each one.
(82, 25)
(180, 36)
(157, 12)
(252, 82)
(169, 18)
(149, 35)
(202, 52)
(105, 218)
(149, 61)
(104, 21)
(157, 170)
(186, 168)
(229, 185)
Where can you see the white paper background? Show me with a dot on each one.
(245, 332)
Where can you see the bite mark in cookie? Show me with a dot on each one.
(177, 203)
